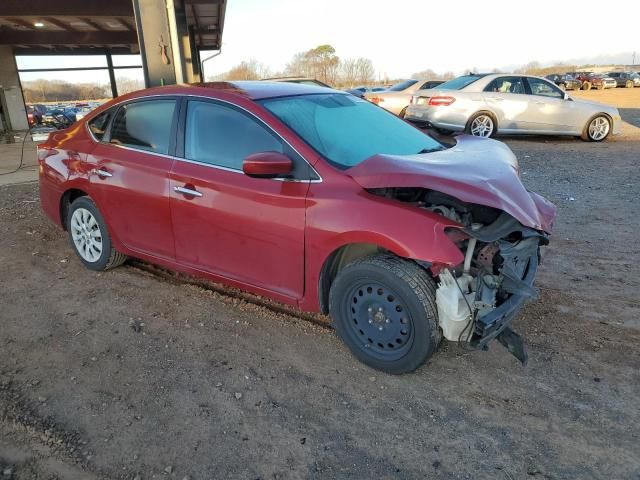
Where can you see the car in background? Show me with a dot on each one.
(483, 105)
(300, 80)
(396, 98)
(311, 197)
(58, 117)
(35, 113)
(565, 81)
(591, 80)
(81, 112)
(625, 79)
(360, 91)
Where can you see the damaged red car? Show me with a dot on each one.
(311, 197)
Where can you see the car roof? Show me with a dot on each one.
(253, 90)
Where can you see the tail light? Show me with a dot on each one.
(376, 100)
(441, 101)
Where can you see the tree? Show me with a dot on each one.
(365, 73)
(427, 74)
(247, 70)
(321, 63)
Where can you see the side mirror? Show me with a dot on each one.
(267, 165)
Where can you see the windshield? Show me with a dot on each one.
(459, 83)
(347, 130)
(398, 87)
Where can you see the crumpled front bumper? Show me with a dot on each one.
(518, 274)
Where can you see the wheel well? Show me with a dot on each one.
(605, 114)
(335, 262)
(67, 199)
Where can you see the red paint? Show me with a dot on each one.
(268, 236)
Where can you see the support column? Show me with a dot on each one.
(11, 98)
(154, 37)
(112, 75)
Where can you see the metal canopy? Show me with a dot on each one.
(83, 26)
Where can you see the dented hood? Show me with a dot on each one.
(476, 170)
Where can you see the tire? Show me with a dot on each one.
(488, 130)
(586, 85)
(563, 87)
(600, 87)
(402, 112)
(90, 238)
(384, 309)
(629, 84)
(595, 130)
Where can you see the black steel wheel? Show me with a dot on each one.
(383, 308)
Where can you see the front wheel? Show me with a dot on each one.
(89, 236)
(481, 125)
(629, 84)
(586, 85)
(384, 309)
(597, 129)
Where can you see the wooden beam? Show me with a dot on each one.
(67, 38)
(70, 8)
(92, 24)
(125, 24)
(21, 22)
(59, 24)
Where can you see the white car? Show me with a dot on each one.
(397, 97)
(483, 105)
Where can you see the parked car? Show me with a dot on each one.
(58, 118)
(81, 112)
(35, 113)
(484, 105)
(311, 197)
(397, 97)
(625, 79)
(360, 91)
(565, 81)
(602, 81)
(301, 80)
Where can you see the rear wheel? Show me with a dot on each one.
(89, 236)
(629, 84)
(481, 124)
(402, 112)
(597, 129)
(384, 309)
(586, 85)
(600, 87)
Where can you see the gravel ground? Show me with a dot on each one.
(137, 373)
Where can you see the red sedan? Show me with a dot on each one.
(312, 197)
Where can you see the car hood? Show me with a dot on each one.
(476, 170)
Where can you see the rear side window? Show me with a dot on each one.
(144, 125)
(98, 125)
(223, 136)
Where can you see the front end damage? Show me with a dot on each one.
(478, 300)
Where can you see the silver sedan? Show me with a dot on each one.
(484, 105)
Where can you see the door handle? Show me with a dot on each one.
(103, 173)
(187, 191)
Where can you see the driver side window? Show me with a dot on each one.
(544, 89)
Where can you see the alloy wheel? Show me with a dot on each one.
(482, 126)
(86, 235)
(599, 128)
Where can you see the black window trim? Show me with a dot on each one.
(182, 100)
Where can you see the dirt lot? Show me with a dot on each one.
(127, 374)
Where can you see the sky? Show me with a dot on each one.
(406, 36)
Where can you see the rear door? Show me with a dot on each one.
(130, 167)
(506, 98)
(248, 230)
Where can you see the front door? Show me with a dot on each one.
(550, 112)
(249, 230)
(506, 97)
(130, 174)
